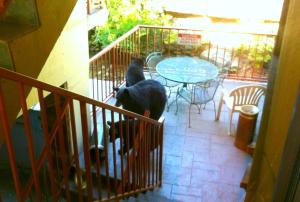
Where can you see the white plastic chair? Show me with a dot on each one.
(237, 97)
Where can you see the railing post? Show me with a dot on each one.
(161, 132)
(87, 159)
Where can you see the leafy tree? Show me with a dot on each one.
(123, 16)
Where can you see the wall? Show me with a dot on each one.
(52, 54)
(69, 59)
(271, 144)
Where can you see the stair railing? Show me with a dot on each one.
(64, 167)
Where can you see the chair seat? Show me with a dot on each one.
(198, 94)
(196, 97)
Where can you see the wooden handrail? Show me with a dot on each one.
(202, 30)
(14, 76)
(114, 44)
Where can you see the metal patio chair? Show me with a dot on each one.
(198, 94)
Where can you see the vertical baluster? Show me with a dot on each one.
(162, 40)
(153, 38)
(106, 154)
(75, 148)
(145, 153)
(140, 171)
(224, 55)
(113, 68)
(95, 134)
(255, 59)
(87, 159)
(62, 145)
(139, 41)
(105, 69)
(28, 135)
(123, 59)
(133, 135)
(47, 139)
(133, 43)
(209, 49)
(114, 150)
(91, 66)
(217, 52)
(110, 73)
(169, 42)
(147, 41)
(157, 155)
(177, 44)
(118, 65)
(127, 53)
(232, 57)
(161, 132)
(153, 153)
(9, 145)
(149, 154)
(97, 78)
(127, 149)
(121, 153)
(101, 77)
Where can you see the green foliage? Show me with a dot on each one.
(123, 16)
(257, 54)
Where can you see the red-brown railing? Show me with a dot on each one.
(63, 165)
(245, 56)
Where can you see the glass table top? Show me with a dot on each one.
(185, 69)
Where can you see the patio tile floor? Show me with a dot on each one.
(201, 163)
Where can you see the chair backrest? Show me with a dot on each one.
(152, 60)
(205, 92)
(247, 95)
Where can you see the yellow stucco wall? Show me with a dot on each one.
(285, 88)
(31, 50)
(52, 60)
(69, 59)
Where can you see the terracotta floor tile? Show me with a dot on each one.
(195, 144)
(177, 175)
(202, 156)
(204, 175)
(187, 190)
(200, 163)
(173, 160)
(187, 159)
(185, 198)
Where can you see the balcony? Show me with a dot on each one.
(200, 163)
